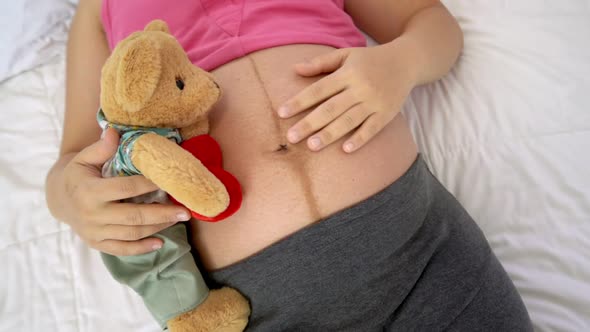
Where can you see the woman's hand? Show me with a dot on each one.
(80, 197)
(366, 90)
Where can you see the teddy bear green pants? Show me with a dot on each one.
(167, 279)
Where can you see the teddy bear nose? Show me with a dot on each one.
(180, 83)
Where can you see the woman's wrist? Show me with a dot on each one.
(405, 61)
(429, 46)
(54, 185)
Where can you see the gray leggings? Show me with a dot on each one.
(409, 258)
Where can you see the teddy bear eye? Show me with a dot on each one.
(180, 83)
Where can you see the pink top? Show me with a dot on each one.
(214, 32)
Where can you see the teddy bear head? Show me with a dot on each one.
(149, 81)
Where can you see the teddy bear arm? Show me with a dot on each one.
(180, 174)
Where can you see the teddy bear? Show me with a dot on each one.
(158, 102)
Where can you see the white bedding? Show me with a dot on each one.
(508, 132)
(30, 30)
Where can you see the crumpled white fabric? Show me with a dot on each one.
(32, 33)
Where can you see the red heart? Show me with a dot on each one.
(207, 150)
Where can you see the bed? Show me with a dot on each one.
(507, 132)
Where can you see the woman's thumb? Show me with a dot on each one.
(100, 151)
(325, 63)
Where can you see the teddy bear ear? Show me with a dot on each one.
(157, 25)
(138, 73)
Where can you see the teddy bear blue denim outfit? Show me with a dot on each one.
(121, 164)
(167, 279)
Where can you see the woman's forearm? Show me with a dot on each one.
(431, 42)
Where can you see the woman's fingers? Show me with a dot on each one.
(321, 116)
(313, 95)
(372, 125)
(130, 214)
(370, 74)
(131, 233)
(128, 248)
(344, 124)
(325, 63)
(122, 187)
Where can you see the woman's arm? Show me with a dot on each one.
(366, 88)
(86, 53)
(424, 30)
(76, 193)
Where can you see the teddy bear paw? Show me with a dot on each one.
(224, 310)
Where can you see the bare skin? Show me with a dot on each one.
(286, 186)
(287, 183)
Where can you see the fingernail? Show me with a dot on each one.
(314, 142)
(292, 136)
(156, 246)
(348, 147)
(182, 216)
(283, 111)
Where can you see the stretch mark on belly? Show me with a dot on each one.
(297, 159)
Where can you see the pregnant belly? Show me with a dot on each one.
(285, 186)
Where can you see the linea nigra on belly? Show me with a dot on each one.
(298, 162)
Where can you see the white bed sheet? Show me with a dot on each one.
(31, 32)
(507, 131)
